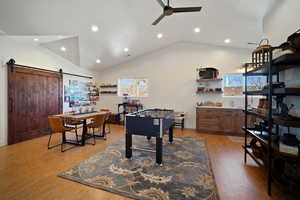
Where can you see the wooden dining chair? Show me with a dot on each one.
(98, 123)
(107, 124)
(56, 125)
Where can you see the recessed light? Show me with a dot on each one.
(126, 49)
(197, 30)
(98, 61)
(63, 48)
(36, 39)
(159, 36)
(227, 41)
(94, 28)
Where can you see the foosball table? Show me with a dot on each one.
(149, 123)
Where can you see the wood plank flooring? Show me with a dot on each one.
(28, 170)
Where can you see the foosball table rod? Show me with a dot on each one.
(143, 149)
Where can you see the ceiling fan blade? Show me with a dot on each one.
(187, 9)
(161, 3)
(158, 19)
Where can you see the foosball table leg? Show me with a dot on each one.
(159, 146)
(171, 135)
(128, 145)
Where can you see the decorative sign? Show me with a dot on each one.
(76, 93)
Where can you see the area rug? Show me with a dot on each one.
(186, 172)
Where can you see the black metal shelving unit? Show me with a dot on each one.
(264, 65)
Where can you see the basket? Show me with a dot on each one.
(263, 46)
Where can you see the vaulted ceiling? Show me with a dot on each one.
(127, 24)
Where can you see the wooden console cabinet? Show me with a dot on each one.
(218, 120)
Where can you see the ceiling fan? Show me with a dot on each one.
(168, 10)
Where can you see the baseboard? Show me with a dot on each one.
(219, 133)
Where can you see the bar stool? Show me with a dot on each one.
(179, 119)
(57, 126)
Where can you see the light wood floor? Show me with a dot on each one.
(28, 170)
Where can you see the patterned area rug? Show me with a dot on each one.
(186, 172)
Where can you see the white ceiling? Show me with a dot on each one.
(127, 23)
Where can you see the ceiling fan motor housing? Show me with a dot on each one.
(168, 10)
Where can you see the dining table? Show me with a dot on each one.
(82, 117)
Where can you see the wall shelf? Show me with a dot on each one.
(108, 86)
(108, 89)
(210, 92)
(208, 80)
(108, 92)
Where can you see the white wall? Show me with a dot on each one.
(282, 21)
(172, 76)
(30, 55)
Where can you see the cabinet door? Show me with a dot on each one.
(228, 121)
(239, 122)
(209, 119)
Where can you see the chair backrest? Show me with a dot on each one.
(179, 114)
(104, 110)
(98, 121)
(56, 124)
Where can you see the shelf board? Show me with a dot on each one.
(108, 92)
(279, 64)
(277, 121)
(276, 153)
(285, 182)
(261, 116)
(212, 92)
(208, 80)
(287, 123)
(250, 153)
(287, 91)
(256, 93)
(276, 92)
(284, 155)
(275, 146)
(258, 135)
(108, 86)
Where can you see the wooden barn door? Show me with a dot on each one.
(32, 96)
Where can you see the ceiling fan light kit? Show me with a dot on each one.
(168, 10)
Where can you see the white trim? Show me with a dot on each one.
(3, 103)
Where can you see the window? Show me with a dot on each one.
(132, 87)
(233, 84)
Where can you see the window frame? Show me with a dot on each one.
(243, 85)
